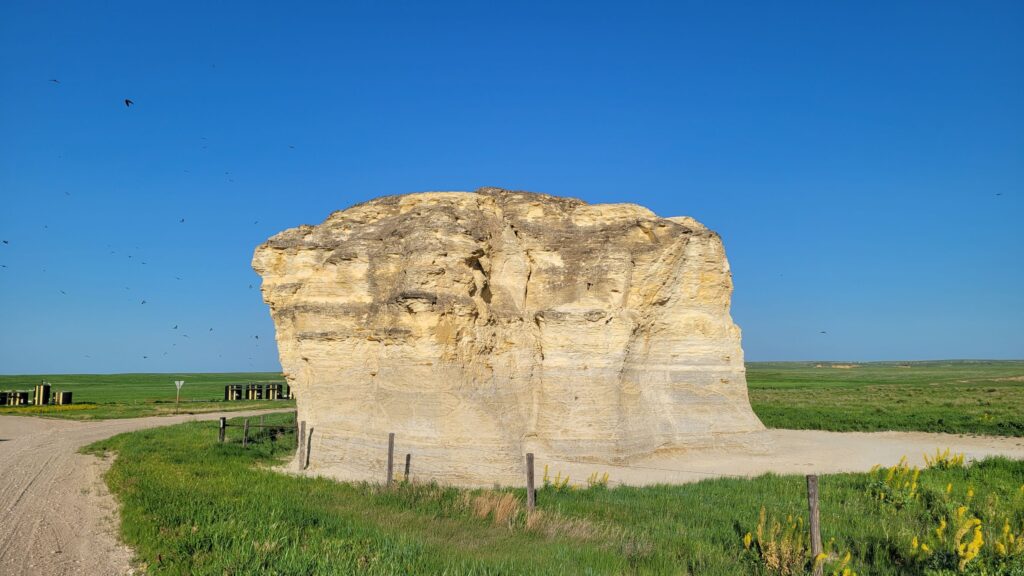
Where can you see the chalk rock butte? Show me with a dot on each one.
(479, 326)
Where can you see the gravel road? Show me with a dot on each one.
(56, 515)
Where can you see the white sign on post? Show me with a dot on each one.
(177, 384)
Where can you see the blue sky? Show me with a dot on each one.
(863, 161)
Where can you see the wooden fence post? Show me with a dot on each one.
(531, 494)
(302, 443)
(812, 504)
(408, 458)
(309, 448)
(223, 429)
(391, 455)
(245, 433)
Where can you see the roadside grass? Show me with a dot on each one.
(193, 506)
(959, 397)
(102, 396)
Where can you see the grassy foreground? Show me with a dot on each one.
(98, 396)
(193, 506)
(955, 397)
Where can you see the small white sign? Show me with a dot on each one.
(179, 383)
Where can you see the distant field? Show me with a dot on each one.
(960, 397)
(955, 397)
(98, 396)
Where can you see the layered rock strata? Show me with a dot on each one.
(481, 326)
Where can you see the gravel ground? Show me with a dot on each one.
(56, 515)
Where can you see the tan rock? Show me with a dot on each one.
(482, 326)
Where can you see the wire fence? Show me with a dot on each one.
(442, 456)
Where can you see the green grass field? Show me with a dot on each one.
(193, 506)
(955, 397)
(99, 396)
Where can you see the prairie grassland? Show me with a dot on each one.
(193, 506)
(959, 397)
(98, 396)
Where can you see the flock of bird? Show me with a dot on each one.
(128, 102)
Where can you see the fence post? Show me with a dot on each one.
(309, 448)
(391, 455)
(531, 494)
(302, 443)
(812, 504)
(408, 458)
(223, 428)
(245, 433)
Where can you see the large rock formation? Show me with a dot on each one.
(482, 326)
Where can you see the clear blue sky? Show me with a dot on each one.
(863, 161)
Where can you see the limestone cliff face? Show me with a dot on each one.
(482, 326)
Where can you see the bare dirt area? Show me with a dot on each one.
(56, 515)
(797, 452)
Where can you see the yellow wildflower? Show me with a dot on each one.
(949, 488)
(747, 538)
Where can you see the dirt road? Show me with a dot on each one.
(56, 515)
(797, 452)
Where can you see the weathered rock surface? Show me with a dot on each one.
(482, 326)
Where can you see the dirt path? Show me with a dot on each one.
(798, 452)
(56, 515)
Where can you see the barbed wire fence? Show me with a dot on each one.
(304, 445)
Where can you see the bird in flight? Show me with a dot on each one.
(182, 221)
(822, 332)
(6, 242)
(128, 102)
(63, 292)
(54, 80)
(143, 301)
(175, 327)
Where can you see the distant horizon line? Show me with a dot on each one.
(186, 372)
